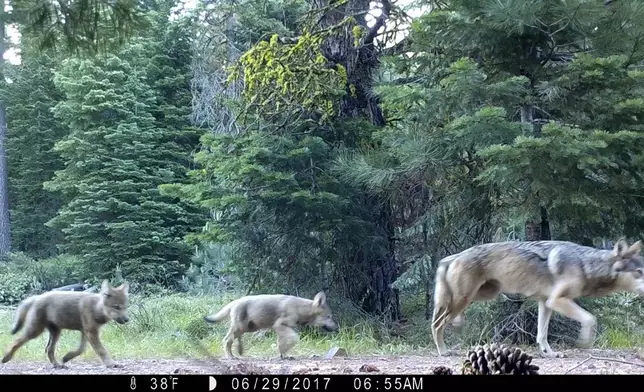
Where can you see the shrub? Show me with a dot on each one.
(58, 271)
(14, 287)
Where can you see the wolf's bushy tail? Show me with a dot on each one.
(21, 313)
(219, 316)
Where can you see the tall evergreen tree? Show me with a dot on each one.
(32, 132)
(78, 25)
(116, 158)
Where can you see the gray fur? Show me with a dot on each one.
(79, 311)
(282, 313)
(552, 272)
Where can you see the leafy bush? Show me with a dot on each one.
(58, 271)
(21, 275)
(208, 273)
(15, 287)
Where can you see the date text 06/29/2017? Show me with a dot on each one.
(280, 383)
(325, 383)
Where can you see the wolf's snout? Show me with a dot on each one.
(122, 319)
(331, 328)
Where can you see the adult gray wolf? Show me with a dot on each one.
(282, 313)
(73, 310)
(552, 272)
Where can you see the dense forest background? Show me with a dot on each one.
(294, 146)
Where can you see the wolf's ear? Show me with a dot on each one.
(125, 288)
(620, 247)
(633, 250)
(319, 300)
(105, 286)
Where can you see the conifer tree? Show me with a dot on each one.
(32, 132)
(115, 159)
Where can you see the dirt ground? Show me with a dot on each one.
(575, 362)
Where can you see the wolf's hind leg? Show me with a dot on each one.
(443, 315)
(228, 341)
(33, 330)
(54, 335)
(439, 322)
(458, 323)
(240, 346)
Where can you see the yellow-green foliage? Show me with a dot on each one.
(281, 77)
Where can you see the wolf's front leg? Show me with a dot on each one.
(94, 340)
(570, 309)
(80, 350)
(287, 338)
(542, 332)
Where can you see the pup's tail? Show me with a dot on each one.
(219, 316)
(21, 314)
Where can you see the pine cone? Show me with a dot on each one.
(499, 359)
(442, 371)
(467, 369)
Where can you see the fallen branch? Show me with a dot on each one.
(617, 360)
(579, 364)
(592, 357)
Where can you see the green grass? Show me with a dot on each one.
(172, 326)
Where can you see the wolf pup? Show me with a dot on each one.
(281, 312)
(73, 310)
(552, 272)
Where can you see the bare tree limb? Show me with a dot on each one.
(380, 22)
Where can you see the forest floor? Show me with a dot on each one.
(575, 362)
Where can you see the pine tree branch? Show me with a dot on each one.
(398, 48)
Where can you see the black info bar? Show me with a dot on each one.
(313, 382)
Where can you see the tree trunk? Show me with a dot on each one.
(535, 229)
(360, 61)
(5, 220)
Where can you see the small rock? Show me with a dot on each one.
(591, 366)
(368, 368)
(315, 368)
(301, 370)
(347, 370)
(336, 352)
(183, 371)
(242, 368)
(639, 354)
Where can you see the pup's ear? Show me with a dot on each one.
(633, 250)
(319, 300)
(620, 247)
(125, 288)
(105, 286)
